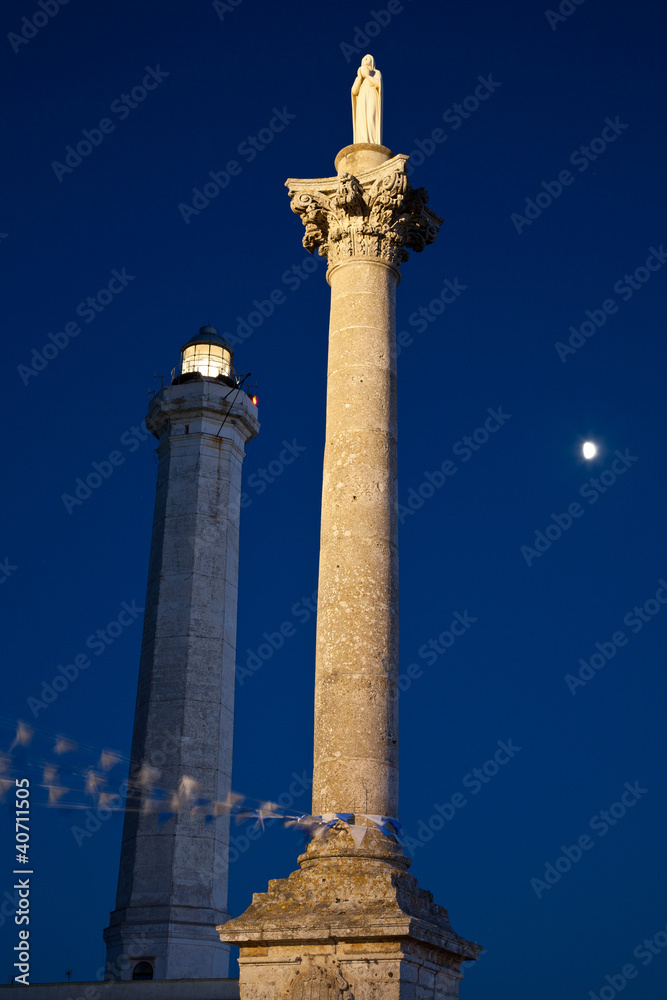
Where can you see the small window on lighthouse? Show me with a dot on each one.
(142, 970)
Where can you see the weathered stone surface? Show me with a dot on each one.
(351, 923)
(374, 214)
(362, 922)
(172, 887)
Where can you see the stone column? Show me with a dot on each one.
(172, 885)
(364, 225)
(352, 923)
(356, 674)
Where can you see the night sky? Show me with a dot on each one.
(539, 138)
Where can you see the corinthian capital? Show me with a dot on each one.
(377, 214)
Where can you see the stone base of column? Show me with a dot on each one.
(347, 928)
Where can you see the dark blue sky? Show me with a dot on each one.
(550, 94)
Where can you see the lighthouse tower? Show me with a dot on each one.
(172, 885)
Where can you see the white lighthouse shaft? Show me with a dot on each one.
(172, 887)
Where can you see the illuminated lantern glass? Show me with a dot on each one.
(208, 355)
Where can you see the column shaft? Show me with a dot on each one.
(356, 693)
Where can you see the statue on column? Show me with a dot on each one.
(367, 103)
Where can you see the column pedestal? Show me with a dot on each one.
(355, 927)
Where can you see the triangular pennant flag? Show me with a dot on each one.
(50, 775)
(104, 800)
(231, 802)
(389, 826)
(381, 824)
(94, 782)
(186, 788)
(56, 793)
(151, 801)
(147, 776)
(23, 736)
(241, 817)
(108, 759)
(201, 806)
(358, 833)
(258, 815)
(221, 808)
(271, 810)
(306, 823)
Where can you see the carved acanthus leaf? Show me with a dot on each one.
(380, 217)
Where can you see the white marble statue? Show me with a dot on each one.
(367, 103)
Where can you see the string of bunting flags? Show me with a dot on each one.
(65, 777)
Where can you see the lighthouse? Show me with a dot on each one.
(172, 885)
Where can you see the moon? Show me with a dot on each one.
(589, 449)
